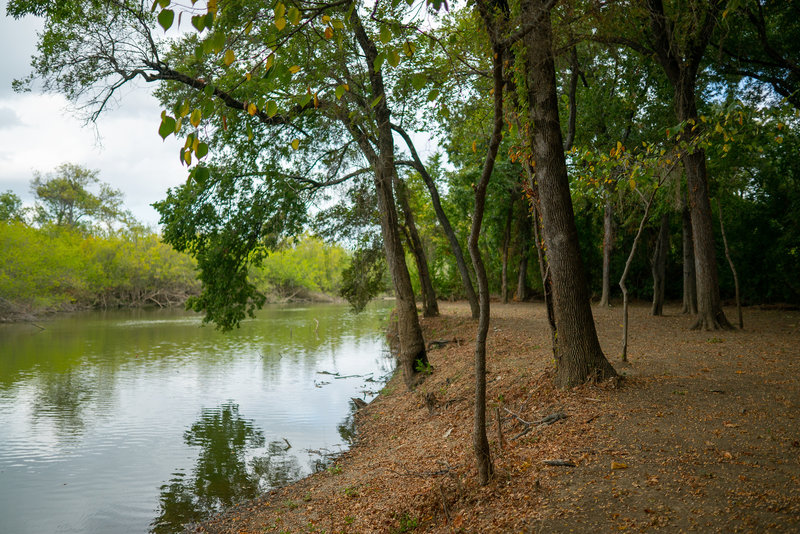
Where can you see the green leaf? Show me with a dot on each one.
(386, 34)
(394, 58)
(419, 80)
(376, 101)
(249, 132)
(201, 174)
(199, 22)
(167, 127)
(305, 99)
(208, 90)
(339, 92)
(294, 16)
(379, 61)
(280, 23)
(202, 150)
(280, 10)
(272, 108)
(409, 48)
(433, 95)
(165, 18)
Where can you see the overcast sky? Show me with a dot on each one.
(39, 132)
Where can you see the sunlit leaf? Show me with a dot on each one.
(272, 108)
(328, 32)
(229, 57)
(280, 23)
(339, 92)
(294, 69)
(280, 10)
(376, 101)
(296, 144)
(195, 118)
(409, 48)
(252, 109)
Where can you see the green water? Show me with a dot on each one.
(142, 421)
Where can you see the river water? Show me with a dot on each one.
(137, 421)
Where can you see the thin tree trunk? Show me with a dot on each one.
(413, 357)
(504, 252)
(730, 263)
(480, 441)
(659, 266)
(430, 307)
(608, 247)
(623, 278)
(444, 222)
(689, 278)
(523, 244)
(579, 357)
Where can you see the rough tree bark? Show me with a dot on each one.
(681, 62)
(413, 357)
(658, 265)
(430, 308)
(608, 247)
(689, 278)
(578, 354)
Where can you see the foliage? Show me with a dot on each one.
(10, 207)
(64, 199)
(365, 277)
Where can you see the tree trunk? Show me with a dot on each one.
(730, 264)
(523, 244)
(689, 278)
(447, 228)
(504, 252)
(659, 261)
(430, 307)
(579, 357)
(413, 358)
(608, 246)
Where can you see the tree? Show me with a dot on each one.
(578, 354)
(10, 207)
(64, 198)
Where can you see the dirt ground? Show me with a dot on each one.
(702, 435)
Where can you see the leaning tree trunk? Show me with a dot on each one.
(730, 264)
(608, 247)
(579, 357)
(413, 358)
(689, 278)
(430, 308)
(444, 222)
(659, 261)
(504, 252)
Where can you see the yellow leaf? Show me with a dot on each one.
(619, 147)
(280, 23)
(325, 19)
(718, 128)
(187, 157)
(632, 183)
(296, 144)
(270, 61)
(779, 139)
(280, 10)
(195, 117)
(195, 144)
(252, 109)
(780, 126)
(294, 69)
(229, 57)
(618, 465)
(328, 32)
(474, 147)
(248, 76)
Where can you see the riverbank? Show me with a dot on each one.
(701, 435)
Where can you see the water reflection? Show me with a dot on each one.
(221, 476)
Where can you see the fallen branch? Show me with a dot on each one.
(559, 463)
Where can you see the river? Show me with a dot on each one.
(138, 421)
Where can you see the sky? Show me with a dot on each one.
(39, 132)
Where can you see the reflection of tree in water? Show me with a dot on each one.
(220, 477)
(63, 397)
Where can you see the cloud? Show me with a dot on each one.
(8, 118)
